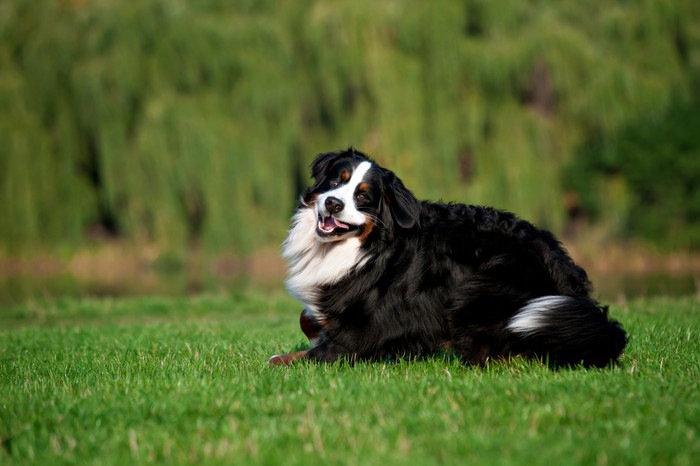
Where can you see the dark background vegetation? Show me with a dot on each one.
(181, 124)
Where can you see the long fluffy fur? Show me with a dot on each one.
(415, 277)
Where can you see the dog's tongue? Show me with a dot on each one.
(330, 223)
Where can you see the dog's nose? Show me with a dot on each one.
(334, 205)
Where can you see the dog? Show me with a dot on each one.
(382, 275)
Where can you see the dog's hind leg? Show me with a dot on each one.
(478, 319)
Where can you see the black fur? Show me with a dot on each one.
(442, 276)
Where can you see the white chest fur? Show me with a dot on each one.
(313, 263)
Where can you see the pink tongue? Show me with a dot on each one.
(330, 223)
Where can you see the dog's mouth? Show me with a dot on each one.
(331, 226)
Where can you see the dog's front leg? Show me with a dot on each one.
(313, 331)
(329, 351)
(311, 328)
(320, 353)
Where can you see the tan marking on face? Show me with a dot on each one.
(345, 175)
(367, 228)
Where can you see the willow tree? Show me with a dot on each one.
(181, 123)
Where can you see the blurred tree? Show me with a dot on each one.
(658, 161)
(193, 123)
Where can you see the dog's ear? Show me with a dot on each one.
(403, 205)
(321, 166)
(322, 162)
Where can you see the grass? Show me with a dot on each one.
(185, 381)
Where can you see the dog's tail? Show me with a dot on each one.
(567, 330)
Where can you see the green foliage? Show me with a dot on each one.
(194, 122)
(185, 381)
(658, 160)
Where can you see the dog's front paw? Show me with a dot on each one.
(286, 359)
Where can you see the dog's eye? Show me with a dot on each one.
(333, 183)
(361, 197)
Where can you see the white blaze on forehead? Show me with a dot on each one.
(346, 193)
(359, 173)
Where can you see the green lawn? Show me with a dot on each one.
(185, 381)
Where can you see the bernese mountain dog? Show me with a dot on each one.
(382, 275)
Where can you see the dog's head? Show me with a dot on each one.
(352, 195)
